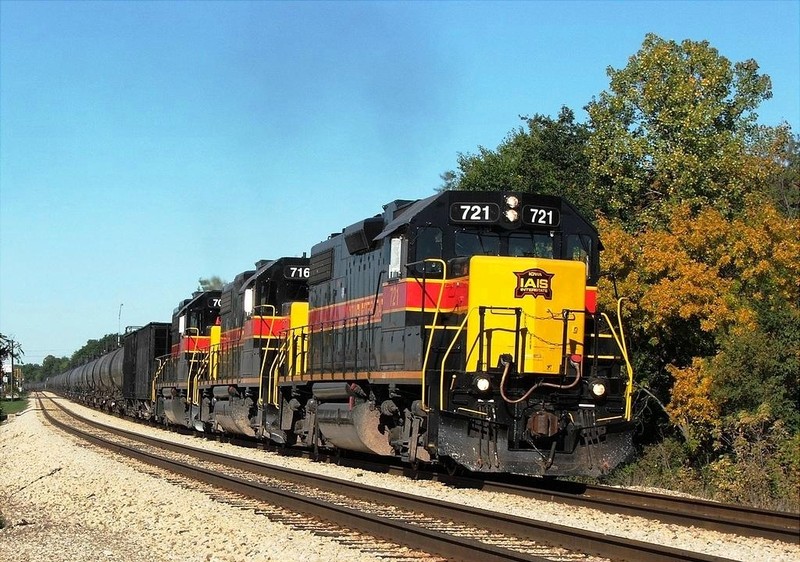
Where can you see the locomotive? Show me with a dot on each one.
(460, 329)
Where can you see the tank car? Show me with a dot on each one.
(120, 380)
(97, 382)
(461, 329)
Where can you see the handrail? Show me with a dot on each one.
(161, 365)
(265, 349)
(196, 385)
(342, 323)
(624, 349)
(272, 391)
(447, 353)
(193, 343)
(423, 405)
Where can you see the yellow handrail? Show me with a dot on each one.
(193, 343)
(624, 349)
(433, 324)
(196, 385)
(265, 349)
(161, 365)
(447, 354)
(272, 396)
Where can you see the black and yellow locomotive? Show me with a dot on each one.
(463, 329)
(225, 347)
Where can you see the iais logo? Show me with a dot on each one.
(534, 282)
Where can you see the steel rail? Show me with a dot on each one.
(417, 537)
(677, 510)
(570, 538)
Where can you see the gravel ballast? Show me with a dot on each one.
(66, 501)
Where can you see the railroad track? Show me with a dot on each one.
(726, 518)
(676, 510)
(436, 527)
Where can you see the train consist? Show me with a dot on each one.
(460, 329)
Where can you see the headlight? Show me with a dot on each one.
(598, 389)
(512, 202)
(511, 215)
(482, 384)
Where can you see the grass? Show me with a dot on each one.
(14, 406)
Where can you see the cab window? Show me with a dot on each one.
(428, 244)
(530, 245)
(471, 243)
(579, 248)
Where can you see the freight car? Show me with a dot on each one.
(120, 380)
(459, 329)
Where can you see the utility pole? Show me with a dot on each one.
(11, 374)
(119, 326)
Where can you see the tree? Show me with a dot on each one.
(716, 326)
(10, 349)
(677, 126)
(782, 148)
(210, 283)
(94, 349)
(52, 366)
(32, 372)
(547, 158)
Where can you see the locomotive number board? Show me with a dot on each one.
(483, 213)
(474, 212)
(296, 272)
(540, 216)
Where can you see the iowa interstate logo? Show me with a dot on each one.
(534, 282)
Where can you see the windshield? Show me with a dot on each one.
(477, 244)
(530, 245)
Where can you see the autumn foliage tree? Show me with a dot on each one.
(700, 228)
(707, 289)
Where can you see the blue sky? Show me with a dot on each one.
(144, 145)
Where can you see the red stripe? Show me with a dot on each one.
(265, 326)
(231, 337)
(347, 310)
(194, 343)
(396, 297)
(591, 300)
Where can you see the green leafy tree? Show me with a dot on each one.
(52, 365)
(10, 349)
(677, 125)
(547, 157)
(32, 372)
(782, 148)
(94, 349)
